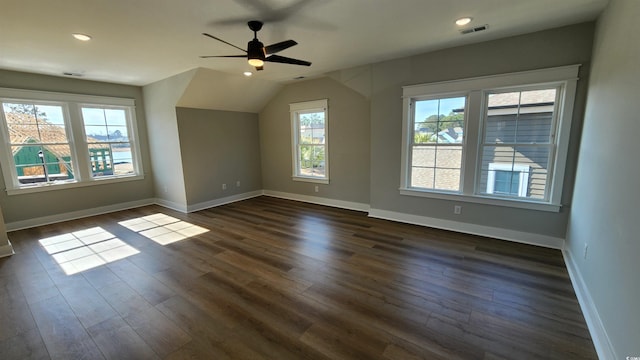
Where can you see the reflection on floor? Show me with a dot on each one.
(162, 228)
(86, 249)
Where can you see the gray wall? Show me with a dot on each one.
(557, 47)
(605, 206)
(348, 141)
(218, 147)
(379, 87)
(28, 206)
(160, 101)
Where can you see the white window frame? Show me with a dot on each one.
(411, 138)
(523, 176)
(72, 105)
(295, 110)
(132, 130)
(564, 77)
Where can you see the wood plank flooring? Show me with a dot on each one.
(269, 278)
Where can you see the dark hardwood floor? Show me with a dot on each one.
(274, 279)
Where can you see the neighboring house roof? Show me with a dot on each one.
(451, 135)
(532, 98)
(22, 130)
(528, 98)
(525, 102)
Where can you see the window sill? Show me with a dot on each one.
(70, 185)
(479, 199)
(310, 179)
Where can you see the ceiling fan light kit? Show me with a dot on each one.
(257, 54)
(256, 62)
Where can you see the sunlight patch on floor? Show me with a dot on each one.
(86, 249)
(162, 228)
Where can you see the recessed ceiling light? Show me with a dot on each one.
(247, 73)
(463, 21)
(81, 37)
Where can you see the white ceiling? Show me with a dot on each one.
(142, 41)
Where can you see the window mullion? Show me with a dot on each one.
(77, 142)
(134, 145)
(9, 172)
(408, 117)
(472, 148)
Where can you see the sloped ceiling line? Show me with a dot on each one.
(215, 90)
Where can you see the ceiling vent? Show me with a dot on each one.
(474, 29)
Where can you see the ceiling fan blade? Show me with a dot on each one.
(223, 56)
(286, 60)
(222, 41)
(259, 68)
(277, 47)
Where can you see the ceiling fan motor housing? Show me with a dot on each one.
(255, 50)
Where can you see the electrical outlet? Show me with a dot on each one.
(224, 186)
(457, 209)
(586, 248)
(316, 189)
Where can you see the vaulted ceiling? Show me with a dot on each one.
(138, 42)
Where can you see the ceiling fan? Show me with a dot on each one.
(257, 54)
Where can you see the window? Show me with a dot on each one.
(518, 129)
(436, 152)
(508, 179)
(309, 139)
(38, 142)
(108, 141)
(54, 140)
(499, 139)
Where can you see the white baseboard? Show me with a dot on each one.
(318, 200)
(6, 250)
(46, 220)
(499, 233)
(171, 205)
(474, 229)
(598, 333)
(224, 200)
(512, 235)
